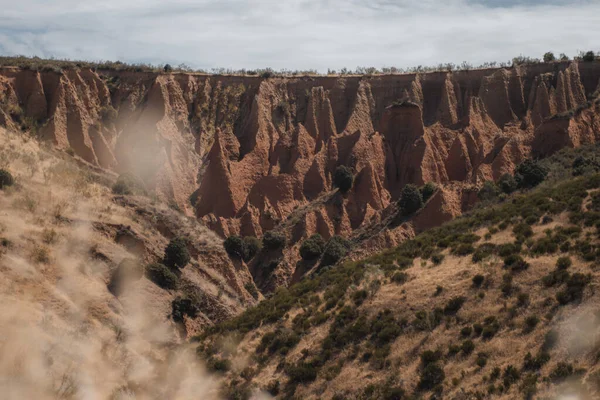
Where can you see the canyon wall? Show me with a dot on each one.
(256, 154)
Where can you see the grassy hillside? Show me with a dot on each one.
(499, 303)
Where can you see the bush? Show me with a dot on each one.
(400, 277)
(489, 191)
(454, 305)
(515, 263)
(549, 57)
(274, 240)
(251, 247)
(507, 183)
(428, 190)
(432, 375)
(467, 347)
(511, 375)
(481, 360)
(302, 372)
(410, 200)
(343, 178)
(478, 280)
(162, 276)
(336, 249)
(589, 56)
(561, 372)
(530, 323)
(437, 258)
(234, 246)
(182, 306)
(176, 253)
(530, 174)
(466, 331)
(574, 290)
(532, 363)
(563, 263)
(490, 327)
(6, 179)
(312, 247)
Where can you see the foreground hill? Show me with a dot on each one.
(83, 315)
(255, 150)
(499, 303)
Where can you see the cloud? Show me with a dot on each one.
(298, 34)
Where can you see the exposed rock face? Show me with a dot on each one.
(258, 152)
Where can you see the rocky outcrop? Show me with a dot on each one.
(258, 152)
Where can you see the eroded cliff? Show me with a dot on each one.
(259, 154)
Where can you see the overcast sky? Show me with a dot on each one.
(298, 34)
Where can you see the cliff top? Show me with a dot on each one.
(47, 65)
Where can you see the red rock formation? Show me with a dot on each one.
(260, 153)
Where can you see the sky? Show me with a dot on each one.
(298, 34)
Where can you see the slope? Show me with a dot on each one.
(498, 303)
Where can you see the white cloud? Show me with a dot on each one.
(297, 34)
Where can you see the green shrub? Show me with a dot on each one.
(251, 247)
(428, 190)
(400, 277)
(181, 307)
(234, 246)
(507, 287)
(359, 296)
(515, 263)
(432, 375)
(6, 179)
(343, 178)
(482, 359)
(484, 251)
(511, 375)
(437, 258)
(463, 249)
(454, 305)
(176, 253)
(530, 323)
(302, 372)
(522, 299)
(336, 249)
(589, 56)
(489, 191)
(532, 363)
(478, 280)
(563, 263)
(251, 288)
(549, 57)
(280, 341)
(530, 173)
(467, 347)
(561, 372)
(490, 327)
(453, 349)
(274, 240)
(218, 364)
(430, 356)
(410, 199)
(312, 248)
(523, 230)
(466, 331)
(574, 290)
(162, 276)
